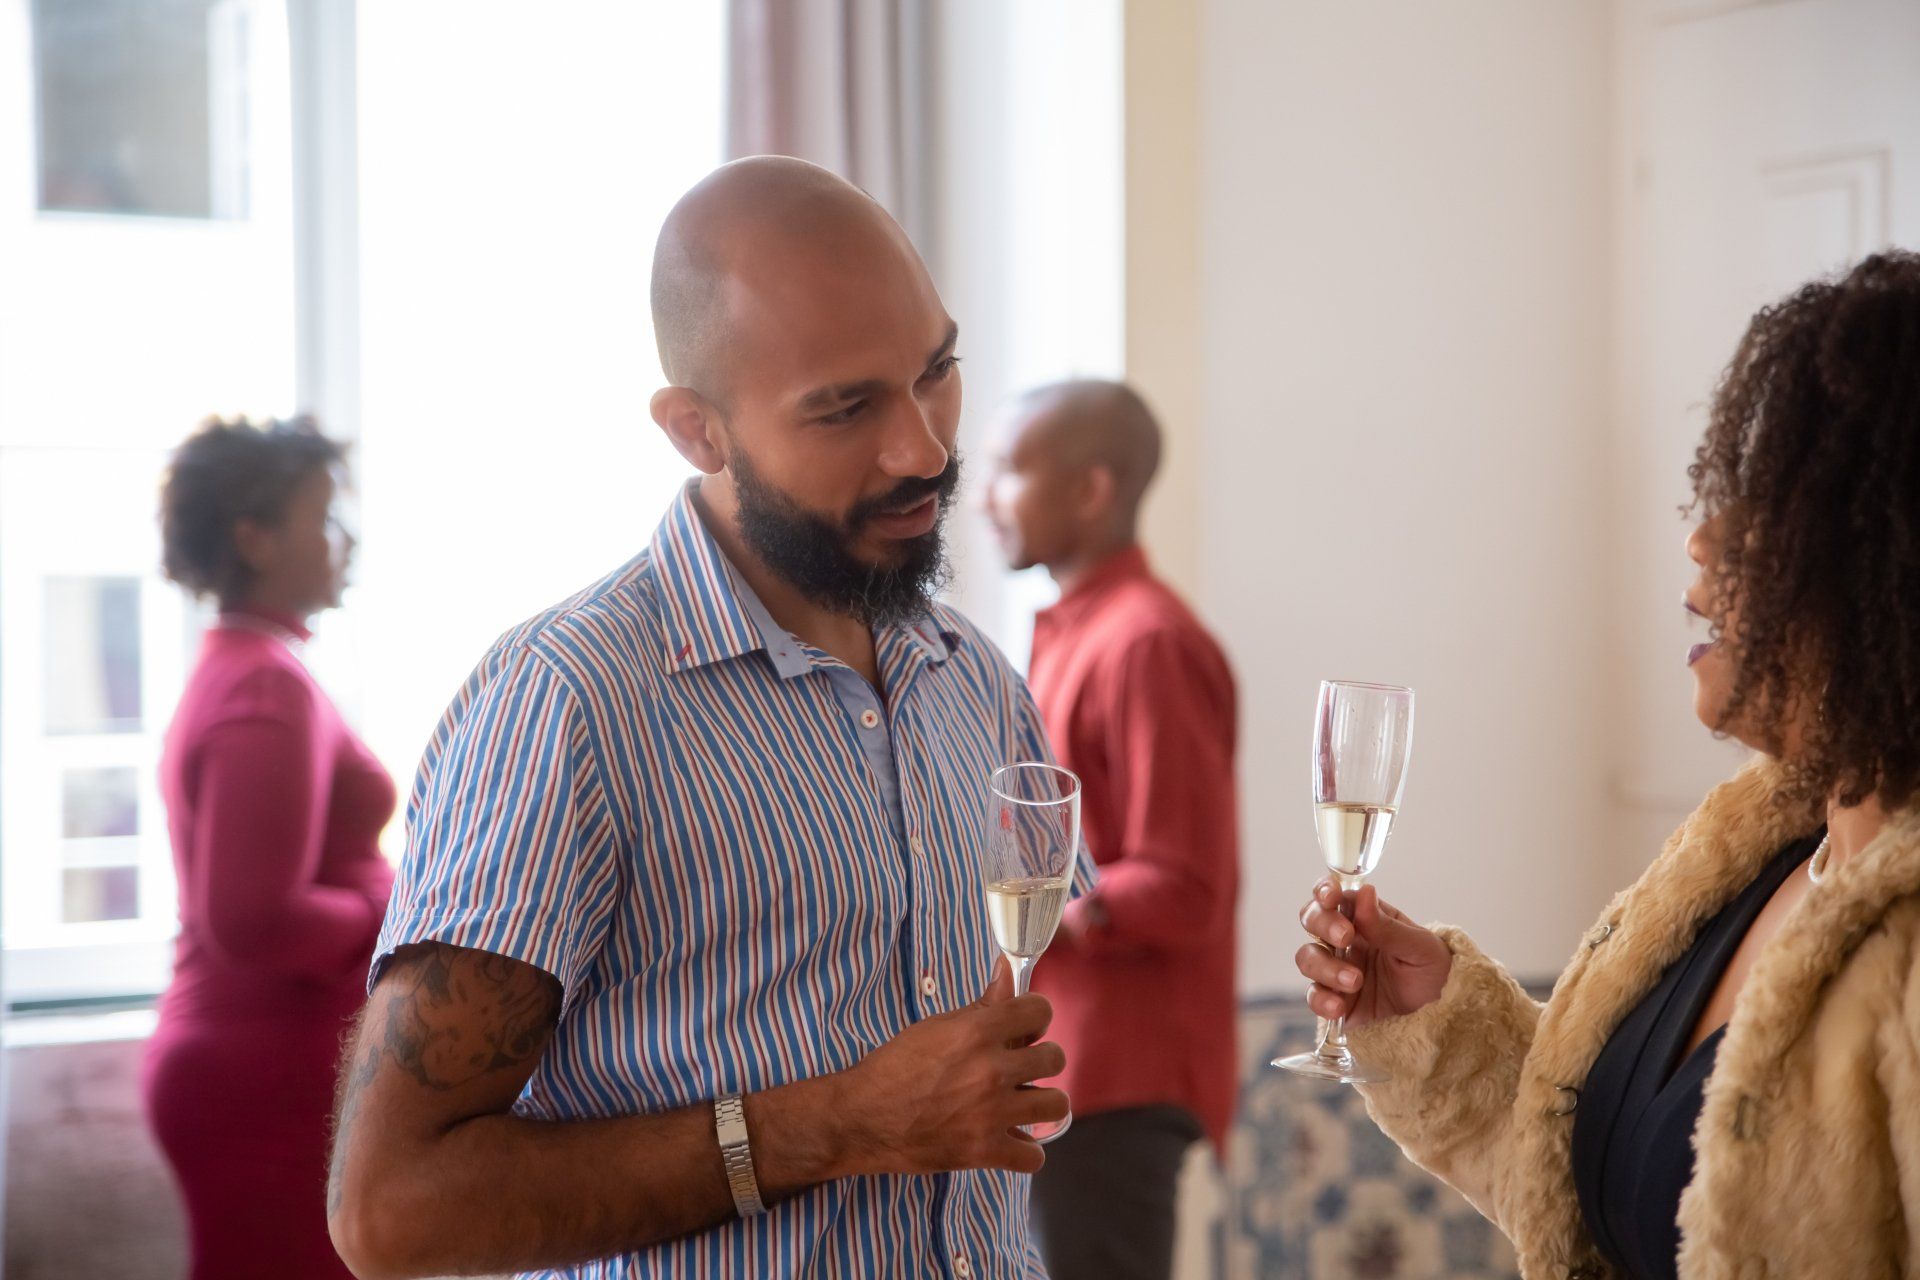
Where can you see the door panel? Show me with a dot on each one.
(1758, 144)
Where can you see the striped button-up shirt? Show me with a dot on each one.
(745, 868)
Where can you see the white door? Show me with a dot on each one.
(1759, 143)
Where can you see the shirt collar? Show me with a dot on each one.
(713, 615)
(1129, 564)
(705, 621)
(790, 657)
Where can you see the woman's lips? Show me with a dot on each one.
(1698, 651)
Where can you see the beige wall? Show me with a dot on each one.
(1390, 414)
(1162, 161)
(1026, 239)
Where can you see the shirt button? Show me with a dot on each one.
(869, 718)
(960, 1267)
(914, 844)
(928, 987)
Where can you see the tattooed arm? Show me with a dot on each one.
(433, 1174)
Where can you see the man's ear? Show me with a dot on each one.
(1099, 488)
(693, 424)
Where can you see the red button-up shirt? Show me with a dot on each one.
(1139, 701)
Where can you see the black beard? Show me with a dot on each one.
(815, 555)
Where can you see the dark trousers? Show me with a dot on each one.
(1103, 1206)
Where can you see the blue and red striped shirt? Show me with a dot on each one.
(744, 866)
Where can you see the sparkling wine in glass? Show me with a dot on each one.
(1033, 837)
(1362, 738)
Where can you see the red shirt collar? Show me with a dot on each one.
(1129, 564)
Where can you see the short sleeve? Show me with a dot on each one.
(510, 843)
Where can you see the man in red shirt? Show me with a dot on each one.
(1139, 701)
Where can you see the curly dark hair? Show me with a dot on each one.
(225, 472)
(1811, 463)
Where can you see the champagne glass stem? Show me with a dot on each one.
(1022, 972)
(1333, 1045)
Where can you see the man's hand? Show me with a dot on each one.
(950, 1092)
(434, 1174)
(1083, 922)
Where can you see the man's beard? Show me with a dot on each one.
(815, 556)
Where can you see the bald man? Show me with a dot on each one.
(1138, 700)
(687, 969)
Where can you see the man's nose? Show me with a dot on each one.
(912, 449)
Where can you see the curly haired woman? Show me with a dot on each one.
(1726, 1079)
(274, 808)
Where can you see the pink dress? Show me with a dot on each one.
(274, 808)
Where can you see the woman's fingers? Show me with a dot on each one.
(1325, 969)
(1336, 918)
(1323, 920)
(1328, 1004)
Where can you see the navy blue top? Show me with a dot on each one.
(1633, 1131)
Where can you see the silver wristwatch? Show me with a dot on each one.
(730, 1125)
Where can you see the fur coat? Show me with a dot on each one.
(1808, 1143)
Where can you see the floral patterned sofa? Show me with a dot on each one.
(1314, 1191)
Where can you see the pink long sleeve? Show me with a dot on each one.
(261, 801)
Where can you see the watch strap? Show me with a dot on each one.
(730, 1126)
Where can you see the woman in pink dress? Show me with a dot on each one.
(274, 808)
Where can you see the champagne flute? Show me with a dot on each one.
(1362, 738)
(1033, 837)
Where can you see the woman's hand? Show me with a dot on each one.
(1394, 966)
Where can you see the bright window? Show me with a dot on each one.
(514, 163)
(481, 330)
(146, 237)
(509, 203)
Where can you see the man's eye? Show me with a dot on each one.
(943, 367)
(848, 414)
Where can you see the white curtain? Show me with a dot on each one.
(841, 83)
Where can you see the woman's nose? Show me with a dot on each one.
(1701, 542)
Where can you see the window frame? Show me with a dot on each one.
(46, 964)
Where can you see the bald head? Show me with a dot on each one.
(813, 382)
(1072, 463)
(1093, 422)
(745, 220)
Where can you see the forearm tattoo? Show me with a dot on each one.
(446, 1016)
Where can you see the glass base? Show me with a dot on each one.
(1048, 1130)
(1339, 1068)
